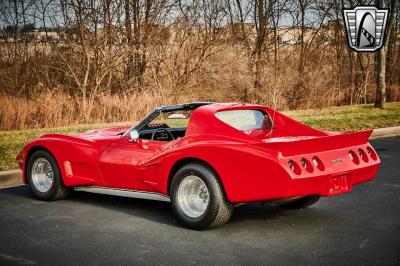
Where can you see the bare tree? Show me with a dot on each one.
(381, 60)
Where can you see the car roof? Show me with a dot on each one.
(210, 106)
(217, 107)
(204, 122)
(182, 106)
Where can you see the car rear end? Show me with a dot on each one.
(328, 165)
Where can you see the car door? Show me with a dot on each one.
(131, 165)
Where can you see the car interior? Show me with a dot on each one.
(161, 132)
(167, 126)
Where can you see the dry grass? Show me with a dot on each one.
(54, 109)
(58, 109)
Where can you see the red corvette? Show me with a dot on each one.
(205, 158)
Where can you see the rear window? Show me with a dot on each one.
(245, 119)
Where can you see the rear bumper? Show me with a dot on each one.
(338, 172)
(265, 187)
(330, 185)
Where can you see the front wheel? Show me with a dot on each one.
(44, 177)
(198, 199)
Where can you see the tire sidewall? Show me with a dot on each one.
(210, 180)
(56, 174)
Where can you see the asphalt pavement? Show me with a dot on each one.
(358, 228)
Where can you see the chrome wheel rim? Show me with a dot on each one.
(42, 175)
(193, 196)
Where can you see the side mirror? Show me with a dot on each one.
(133, 135)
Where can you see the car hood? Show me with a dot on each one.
(102, 133)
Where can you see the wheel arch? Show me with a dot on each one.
(183, 161)
(31, 151)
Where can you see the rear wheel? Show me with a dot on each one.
(302, 202)
(44, 177)
(198, 199)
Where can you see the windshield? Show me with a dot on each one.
(164, 125)
(245, 119)
(172, 119)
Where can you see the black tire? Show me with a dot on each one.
(301, 203)
(57, 190)
(219, 209)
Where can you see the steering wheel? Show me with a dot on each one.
(168, 137)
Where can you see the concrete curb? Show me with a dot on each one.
(385, 132)
(10, 178)
(13, 177)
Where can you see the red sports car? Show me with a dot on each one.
(205, 158)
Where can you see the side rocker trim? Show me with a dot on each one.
(124, 193)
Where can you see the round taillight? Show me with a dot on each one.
(306, 164)
(303, 162)
(294, 167)
(363, 155)
(372, 153)
(291, 165)
(353, 157)
(318, 163)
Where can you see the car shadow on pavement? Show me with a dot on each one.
(255, 211)
(157, 211)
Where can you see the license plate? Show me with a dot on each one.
(340, 184)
